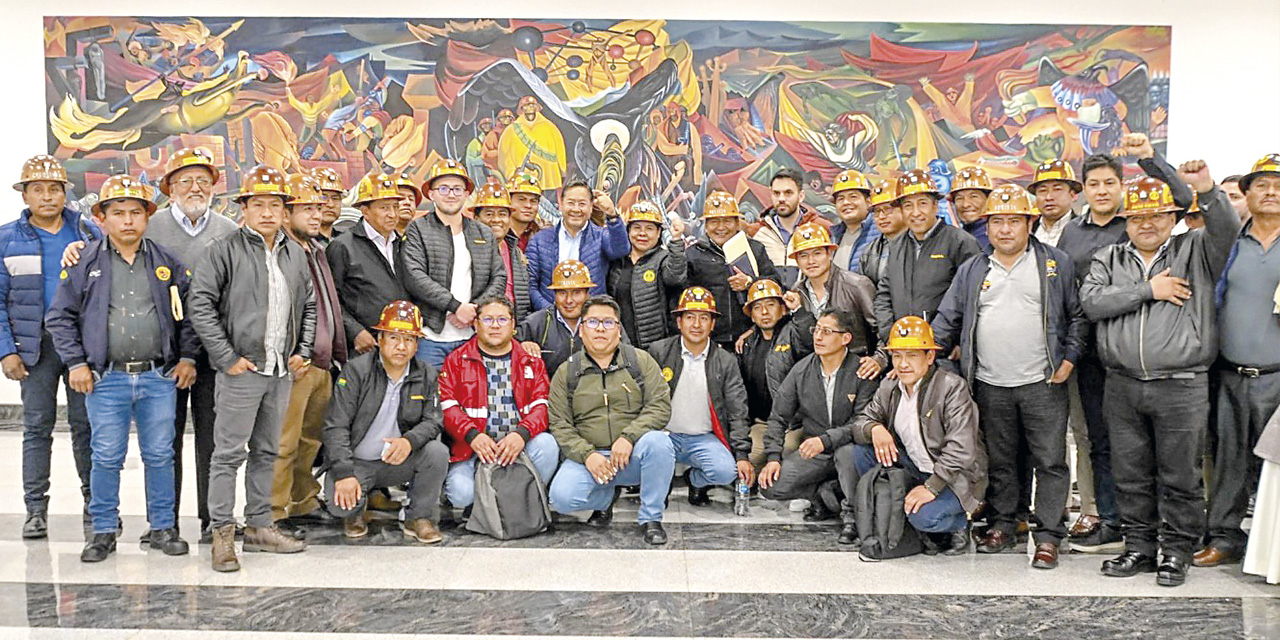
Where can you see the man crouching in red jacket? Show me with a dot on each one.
(494, 399)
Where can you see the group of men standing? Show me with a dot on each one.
(792, 355)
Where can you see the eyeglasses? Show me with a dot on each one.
(186, 183)
(495, 321)
(819, 330)
(445, 190)
(601, 323)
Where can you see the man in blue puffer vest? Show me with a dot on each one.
(30, 251)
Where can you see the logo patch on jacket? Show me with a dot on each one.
(938, 256)
(528, 372)
(668, 374)
(1050, 268)
(782, 347)
(162, 273)
(63, 275)
(342, 382)
(986, 284)
(95, 273)
(650, 276)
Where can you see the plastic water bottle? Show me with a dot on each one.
(742, 499)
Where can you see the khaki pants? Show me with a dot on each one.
(294, 489)
(757, 443)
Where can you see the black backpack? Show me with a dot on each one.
(880, 515)
(510, 502)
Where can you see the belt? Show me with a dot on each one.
(139, 366)
(1251, 372)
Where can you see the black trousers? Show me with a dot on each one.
(200, 397)
(1034, 417)
(1244, 406)
(1091, 378)
(1157, 431)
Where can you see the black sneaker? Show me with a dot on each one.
(604, 517)
(848, 534)
(1107, 539)
(99, 547)
(698, 496)
(36, 526)
(168, 541)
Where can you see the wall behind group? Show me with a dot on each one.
(1225, 67)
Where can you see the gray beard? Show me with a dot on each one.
(190, 211)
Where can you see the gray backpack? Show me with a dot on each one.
(882, 523)
(510, 502)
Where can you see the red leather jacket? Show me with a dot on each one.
(464, 396)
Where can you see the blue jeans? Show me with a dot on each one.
(942, 515)
(653, 460)
(709, 460)
(460, 483)
(39, 412)
(117, 400)
(433, 353)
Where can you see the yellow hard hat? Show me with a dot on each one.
(644, 211)
(911, 332)
(492, 194)
(970, 178)
(41, 167)
(1145, 195)
(263, 180)
(851, 180)
(376, 186)
(188, 157)
(121, 187)
(809, 235)
(1010, 199)
(1055, 170)
(329, 180)
(916, 181)
(760, 290)
(571, 274)
(1268, 164)
(696, 299)
(304, 189)
(884, 192)
(403, 180)
(720, 204)
(448, 167)
(524, 181)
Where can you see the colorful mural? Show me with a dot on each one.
(656, 109)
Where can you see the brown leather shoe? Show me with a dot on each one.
(422, 530)
(1212, 556)
(1046, 556)
(995, 541)
(271, 540)
(224, 549)
(380, 501)
(355, 526)
(1085, 526)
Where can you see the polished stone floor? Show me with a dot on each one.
(719, 576)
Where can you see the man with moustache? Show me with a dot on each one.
(494, 398)
(253, 306)
(708, 429)
(410, 198)
(365, 261)
(968, 197)
(856, 230)
(449, 260)
(642, 281)
(295, 494)
(923, 261)
(334, 192)
(1157, 336)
